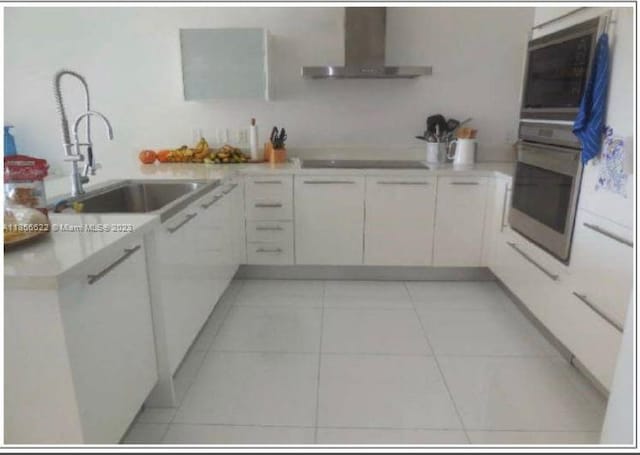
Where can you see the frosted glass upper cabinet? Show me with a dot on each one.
(224, 63)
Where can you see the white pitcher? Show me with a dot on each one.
(464, 152)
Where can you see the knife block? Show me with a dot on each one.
(274, 155)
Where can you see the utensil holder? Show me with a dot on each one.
(436, 152)
(274, 155)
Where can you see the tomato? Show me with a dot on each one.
(147, 156)
(163, 156)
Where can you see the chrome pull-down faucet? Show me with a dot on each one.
(72, 151)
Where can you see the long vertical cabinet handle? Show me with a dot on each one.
(127, 252)
(583, 298)
(553, 276)
(505, 203)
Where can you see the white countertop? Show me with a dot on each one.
(43, 261)
(38, 264)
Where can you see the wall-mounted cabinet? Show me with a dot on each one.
(224, 63)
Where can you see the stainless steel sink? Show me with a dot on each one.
(363, 164)
(139, 196)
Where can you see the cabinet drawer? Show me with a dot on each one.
(534, 283)
(269, 198)
(269, 231)
(593, 340)
(602, 264)
(270, 253)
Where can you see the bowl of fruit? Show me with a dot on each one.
(201, 153)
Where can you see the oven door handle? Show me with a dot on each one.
(567, 151)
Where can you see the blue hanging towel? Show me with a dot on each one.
(589, 123)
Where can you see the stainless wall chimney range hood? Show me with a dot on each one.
(364, 49)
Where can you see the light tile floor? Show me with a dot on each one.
(357, 362)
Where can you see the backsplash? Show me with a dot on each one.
(140, 88)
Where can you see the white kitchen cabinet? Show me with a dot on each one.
(106, 314)
(177, 263)
(546, 287)
(238, 231)
(329, 219)
(195, 263)
(269, 198)
(224, 63)
(496, 219)
(269, 220)
(459, 227)
(399, 223)
(594, 341)
(535, 279)
(602, 265)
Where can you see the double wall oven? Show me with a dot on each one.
(549, 170)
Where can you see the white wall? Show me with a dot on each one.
(131, 59)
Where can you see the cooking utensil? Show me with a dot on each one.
(452, 124)
(434, 120)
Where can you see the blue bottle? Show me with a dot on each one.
(9, 142)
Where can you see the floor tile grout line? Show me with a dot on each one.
(315, 430)
(224, 319)
(386, 354)
(435, 358)
(355, 427)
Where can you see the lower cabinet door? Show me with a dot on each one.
(602, 264)
(399, 221)
(529, 274)
(107, 320)
(183, 280)
(459, 227)
(329, 219)
(593, 340)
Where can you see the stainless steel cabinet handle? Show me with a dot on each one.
(403, 183)
(330, 182)
(269, 228)
(465, 183)
(127, 252)
(504, 207)
(206, 205)
(230, 189)
(267, 182)
(188, 218)
(267, 250)
(271, 206)
(606, 233)
(599, 312)
(553, 276)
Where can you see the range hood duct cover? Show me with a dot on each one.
(364, 50)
